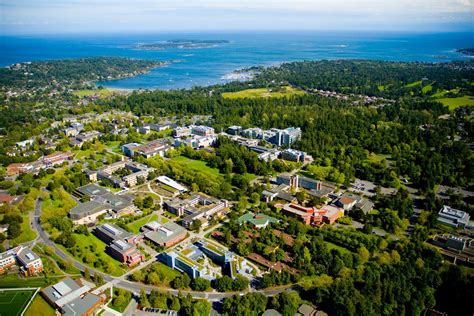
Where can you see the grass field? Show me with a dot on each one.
(88, 92)
(85, 244)
(331, 246)
(13, 302)
(413, 84)
(13, 280)
(196, 165)
(427, 88)
(263, 93)
(39, 307)
(135, 226)
(454, 103)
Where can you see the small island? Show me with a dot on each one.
(466, 51)
(181, 44)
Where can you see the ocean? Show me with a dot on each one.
(206, 66)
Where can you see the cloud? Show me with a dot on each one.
(152, 15)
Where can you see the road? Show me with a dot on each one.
(135, 287)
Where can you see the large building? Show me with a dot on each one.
(202, 130)
(197, 207)
(72, 298)
(328, 214)
(295, 155)
(164, 235)
(154, 148)
(456, 218)
(56, 158)
(24, 257)
(120, 244)
(101, 202)
(133, 173)
(187, 261)
(285, 137)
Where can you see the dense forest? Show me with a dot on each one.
(45, 73)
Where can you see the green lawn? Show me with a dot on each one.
(263, 93)
(427, 88)
(196, 165)
(454, 103)
(331, 246)
(13, 280)
(94, 248)
(413, 84)
(14, 302)
(135, 226)
(89, 92)
(39, 307)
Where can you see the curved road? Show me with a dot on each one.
(135, 287)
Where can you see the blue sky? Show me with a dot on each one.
(111, 16)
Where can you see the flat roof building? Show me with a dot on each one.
(164, 235)
(453, 217)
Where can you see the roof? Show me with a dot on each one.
(82, 210)
(346, 200)
(80, 306)
(271, 312)
(114, 231)
(64, 291)
(171, 183)
(165, 233)
(256, 219)
(117, 202)
(92, 189)
(306, 310)
(26, 255)
(6, 198)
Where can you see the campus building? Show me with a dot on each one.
(120, 244)
(164, 235)
(186, 261)
(101, 202)
(28, 262)
(197, 207)
(327, 214)
(256, 220)
(452, 217)
(154, 148)
(72, 298)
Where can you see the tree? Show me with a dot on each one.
(181, 282)
(289, 303)
(364, 254)
(200, 284)
(223, 284)
(148, 202)
(201, 308)
(144, 299)
(240, 283)
(196, 225)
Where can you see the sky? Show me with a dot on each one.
(132, 16)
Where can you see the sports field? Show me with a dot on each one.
(13, 302)
(263, 93)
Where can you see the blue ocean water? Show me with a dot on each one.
(205, 66)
